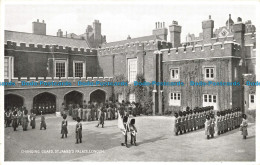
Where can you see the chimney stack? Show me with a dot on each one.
(175, 34)
(39, 28)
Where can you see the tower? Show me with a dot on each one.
(175, 34)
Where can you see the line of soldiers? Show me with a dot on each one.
(221, 122)
(93, 111)
(19, 116)
(45, 108)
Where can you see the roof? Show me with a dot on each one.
(30, 38)
(139, 39)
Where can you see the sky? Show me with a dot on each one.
(122, 19)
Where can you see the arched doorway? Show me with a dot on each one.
(74, 97)
(98, 96)
(13, 100)
(45, 103)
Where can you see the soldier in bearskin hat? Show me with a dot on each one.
(64, 125)
(176, 124)
(15, 120)
(212, 125)
(184, 121)
(243, 126)
(78, 131)
(207, 126)
(180, 119)
(43, 123)
(218, 123)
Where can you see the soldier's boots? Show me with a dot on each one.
(80, 140)
(102, 125)
(77, 141)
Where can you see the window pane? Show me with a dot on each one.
(173, 74)
(175, 96)
(252, 98)
(6, 66)
(132, 72)
(214, 99)
(205, 98)
(210, 98)
(60, 69)
(179, 96)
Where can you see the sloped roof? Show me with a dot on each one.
(30, 38)
(139, 39)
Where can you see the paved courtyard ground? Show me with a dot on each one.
(155, 139)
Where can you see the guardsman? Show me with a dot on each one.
(101, 115)
(15, 120)
(180, 119)
(88, 111)
(33, 123)
(176, 123)
(109, 111)
(126, 126)
(25, 120)
(188, 117)
(8, 118)
(243, 126)
(78, 131)
(133, 131)
(225, 121)
(207, 127)
(20, 116)
(184, 122)
(64, 126)
(212, 125)
(43, 123)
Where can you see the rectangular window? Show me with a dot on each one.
(60, 68)
(252, 103)
(252, 100)
(210, 100)
(79, 69)
(175, 99)
(132, 70)
(174, 73)
(209, 72)
(8, 67)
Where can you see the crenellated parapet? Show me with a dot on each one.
(52, 48)
(216, 50)
(134, 47)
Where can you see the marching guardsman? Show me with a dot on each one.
(212, 125)
(78, 131)
(225, 121)
(33, 117)
(101, 115)
(228, 120)
(180, 122)
(15, 120)
(8, 118)
(193, 121)
(133, 131)
(20, 116)
(64, 125)
(43, 123)
(176, 124)
(236, 118)
(207, 127)
(232, 117)
(184, 121)
(126, 126)
(243, 126)
(25, 120)
(188, 117)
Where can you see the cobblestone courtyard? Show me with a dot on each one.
(155, 140)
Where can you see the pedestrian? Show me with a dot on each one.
(64, 125)
(20, 116)
(43, 123)
(33, 123)
(243, 126)
(78, 131)
(8, 118)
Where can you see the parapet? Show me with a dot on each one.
(134, 47)
(48, 48)
(193, 52)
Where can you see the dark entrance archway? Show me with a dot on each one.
(73, 97)
(98, 96)
(45, 102)
(12, 100)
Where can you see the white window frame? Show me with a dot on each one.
(66, 66)
(10, 69)
(211, 68)
(129, 60)
(252, 105)
(175, 99)
(84, 68)
(210, 100)
(131, 97)
(177, 76)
